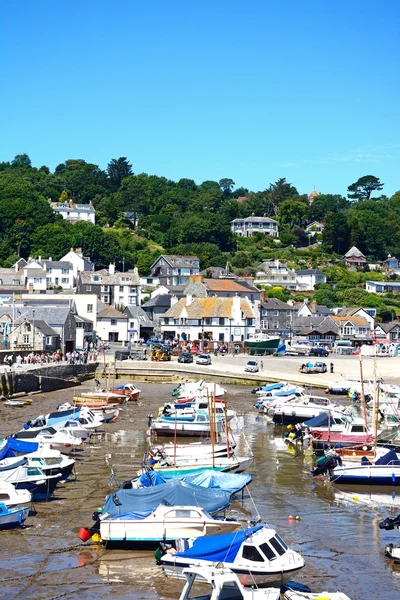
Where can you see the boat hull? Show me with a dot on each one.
(40, 491)
(15, 519)
(369, 475)
(262, 347)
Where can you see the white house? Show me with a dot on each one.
(74, 212)
(366, 313)
(36, 279)
(111, 287)
(251, 225)
(307, 279)
(275, 273)
(47, 273)
(78, 261)
(213, 318)
(112, 325)
(316, 226)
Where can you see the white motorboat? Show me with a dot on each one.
(197, 424)
(52, 462)
(194, 450)
(258, 556)
(162, 524)
(233, 464)
(12, 517)
(190, 407)
(50, 436)
(199, 389)
(302, 409)
(223, 584)
(13, 498)
(28, 478)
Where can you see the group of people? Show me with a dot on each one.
(40, 358)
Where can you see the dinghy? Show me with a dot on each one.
(13, 498)
(257, 555)
(12, 517)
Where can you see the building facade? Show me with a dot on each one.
(74, 212)
(275, 273)
(250, 225)
(174, 270)
(111, 287)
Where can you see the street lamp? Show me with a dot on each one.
(33, 330)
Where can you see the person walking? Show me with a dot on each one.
(262, 366)
(331, 367)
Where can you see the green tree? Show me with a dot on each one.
(324, 203)
(292, 213)
(278, 192)
(226, 185)
(21, 161)
(336, 234)
(117, 170)
(363, 187)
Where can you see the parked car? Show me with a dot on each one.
(317, 367)
(319, 352)
(121, 354)
(185, 357)
(252, 366)
(203, 359)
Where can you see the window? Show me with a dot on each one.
(207, 321)
(278, 544)
(37, 280)
(25, 338)
(121, 288)
(89, 308)
(64, 280)
(16, 282)
(221, 321)
(251, 553)
(166, 321)
(88, 288)
(49, 269)
(132, 325)
(48, 340)
(113, 321)
(106, 299)
(132, 300)
(267, 551)
(64, 271)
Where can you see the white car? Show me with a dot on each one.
(252, 366)
(203, 359)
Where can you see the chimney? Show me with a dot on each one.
(71, 249)
(16, 267)
(189, 299)
(196, 278)
(50, 258)
(30, 288)
(174, 300)
(111, 269)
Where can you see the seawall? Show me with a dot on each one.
(49, 378)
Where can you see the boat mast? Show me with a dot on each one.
(226, 426)
(375, 405)
(175, 437)
(364, 405)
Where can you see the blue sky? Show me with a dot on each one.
(254, 91)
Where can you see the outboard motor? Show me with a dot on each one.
(389, 523)
(327, 463)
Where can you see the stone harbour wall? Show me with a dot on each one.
(17, 381)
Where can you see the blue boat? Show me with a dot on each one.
(227, 482)
(12, 447)
(12, 517)
(24, 477)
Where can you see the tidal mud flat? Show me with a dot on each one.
(341, 542)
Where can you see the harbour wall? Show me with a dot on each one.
(18, 382)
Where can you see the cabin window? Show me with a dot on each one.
(201, 418)
(278, 544)
(358, 429)
(251, 553)
(31, 471)
(267, 550)
(230, 591)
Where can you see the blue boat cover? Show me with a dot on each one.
(218, 548)
(388, 459)
(174, 492)
(286, 392)
(321, 420)
(272, 386)
(133, 516)
(60, 418)
(14, 447)
(228, 482)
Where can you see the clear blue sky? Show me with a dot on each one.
(256, 90)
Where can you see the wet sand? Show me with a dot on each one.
(45, 560)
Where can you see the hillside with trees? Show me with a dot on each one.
(184, 217)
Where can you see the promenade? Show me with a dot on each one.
(284, 368)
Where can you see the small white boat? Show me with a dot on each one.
(258, 556)
(32, 479)
(190, 425)
(223, 584)
(12, 517)
(163, 523)
(63, 442)
(189, 407)
(199, 389)
(13, 498)
(302, 409)
(233, 464)
(194, 450)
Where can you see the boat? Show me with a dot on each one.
(12, 517)
(50, 461)
(13, 498)
(184, 408)
(198, 390)
(343, 386)
(384, 471)
(302, 409)
(233, 463)
(228, 482)
(261, 343)
(15, 403)
(129, 390)
(257, 555)
(355, 433)
(196, 449)
(33, 479)
(197, 424)
(48, 435)
(222, 584)
(326, 422)
(163, 524)
(12, 447)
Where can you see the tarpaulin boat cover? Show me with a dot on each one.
(321, 420)
(60, 418)
(272, 386)
(228, 482)
(218, 548)
(286, 392)
(133, 516)
(174, 492)
(13, 447)
(388, 459)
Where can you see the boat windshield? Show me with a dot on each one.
(278, 544)
(251, 553)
